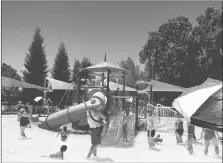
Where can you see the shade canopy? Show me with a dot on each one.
(158, 86)
(208, 83)
(209, 115)
(201, 104)
(59, 85)
(8, 82)
(104, 66)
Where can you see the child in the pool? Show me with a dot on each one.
(60, 154)
(190, 137)
(158, 139)
(179, 130)
(64, 134)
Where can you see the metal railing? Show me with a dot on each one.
(162, 111)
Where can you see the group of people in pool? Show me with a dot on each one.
(97, 120)
(208, 134)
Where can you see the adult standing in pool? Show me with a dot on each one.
(95, 120)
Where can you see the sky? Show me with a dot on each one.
(88, 28)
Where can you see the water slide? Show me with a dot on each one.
(76, 112)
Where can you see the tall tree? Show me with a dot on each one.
(9, 94)
(208, 37)
(36, 67)
(61, 65)
(186, 55)
(61, 71)
(76, 69)
(86, 62)
(133, 73)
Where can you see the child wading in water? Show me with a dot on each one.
(190, 137)
(60, 154)
(179, 130)
(150, 121)
(64, 134)
(23, 118)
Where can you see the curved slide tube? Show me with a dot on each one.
(98, 101)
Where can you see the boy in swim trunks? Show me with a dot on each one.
(64, 134)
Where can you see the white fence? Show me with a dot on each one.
(163, 111)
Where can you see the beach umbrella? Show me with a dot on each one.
(202, 105)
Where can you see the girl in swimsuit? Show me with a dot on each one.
(24, 121)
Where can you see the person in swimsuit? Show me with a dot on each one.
(24, 121)
(190, 137)
(150, 122)
(30, 113)
(158, 139)
(179, 130)
(60, 154)
(210, 136)
(95, 120)
(64, 134)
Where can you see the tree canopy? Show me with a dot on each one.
(36, 67)
(185, 55)
(61, 65)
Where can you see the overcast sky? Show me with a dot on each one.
(87, 28)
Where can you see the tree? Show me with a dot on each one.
(168, 48)
(133, 73)
(61, 71)
(9, 94)
(86, 62)
(208, 37)
(61, 65)
(76, 69)
(36, 67)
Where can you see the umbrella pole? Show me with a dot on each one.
(106, 112)
(123, 101)
(137, 110)
(79, 87)
(103, 78)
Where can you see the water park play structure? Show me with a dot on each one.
(77, 113)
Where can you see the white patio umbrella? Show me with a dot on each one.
(193, 98)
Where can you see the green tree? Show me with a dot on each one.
(207, 36)
(167, 48)
(86, 62)
(9, 94)
(36, 67)
(61, 71)
(133, 73)
(186, 55)
(61, 65)
(76, 69)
